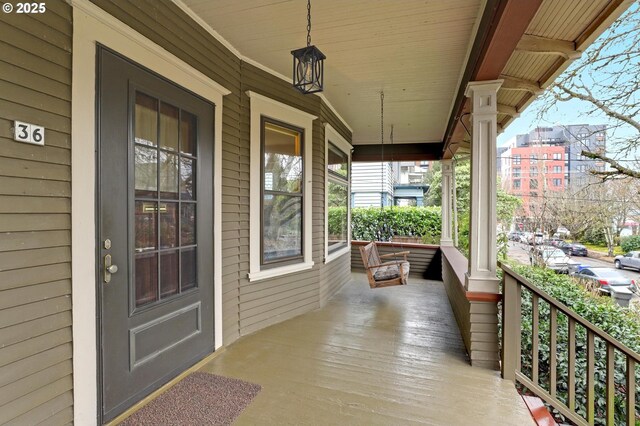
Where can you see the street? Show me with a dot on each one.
(520, 252)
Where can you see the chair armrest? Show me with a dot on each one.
(400, 253)
(399, 263)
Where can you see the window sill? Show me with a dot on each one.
(338, 253)
(276, 272)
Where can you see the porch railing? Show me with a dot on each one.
(512, 355)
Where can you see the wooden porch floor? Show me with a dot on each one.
(389, 356)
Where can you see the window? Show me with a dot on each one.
(337, 205)
(557, 182)
(533, 184)
(533, 171)
(282, 176)
(533, 158)
(557, 156)
(545, 156)
(516, 172)
(516, 159)
(280, 189)
(557, 169)
(516, 184)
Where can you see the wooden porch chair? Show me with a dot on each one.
(384, 274)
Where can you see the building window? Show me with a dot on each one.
(533, 158)
(545, 156)
(516, 159)
(516, 184)
(557, 156)
(557, 182)
(516, 172)
(557, 169)
(282, 167)
(337, 206)
(533, 171)
(533, 184)
(280, 189)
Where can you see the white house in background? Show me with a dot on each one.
(372, 184)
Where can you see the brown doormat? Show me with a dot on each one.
(199, 399)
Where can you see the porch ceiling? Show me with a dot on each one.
(421, 53)
(414, 50)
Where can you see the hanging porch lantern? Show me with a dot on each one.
(308, 64)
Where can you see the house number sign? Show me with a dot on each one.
(29, 133)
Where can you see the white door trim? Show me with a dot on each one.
(92, 25)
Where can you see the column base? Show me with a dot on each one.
(481, 284)
(446, 242)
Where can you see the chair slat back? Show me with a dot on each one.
(370, 255)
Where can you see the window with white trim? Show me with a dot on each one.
(280, 189)
(337, 194)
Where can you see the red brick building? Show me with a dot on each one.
(531, 172)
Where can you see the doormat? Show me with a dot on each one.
(199, 399)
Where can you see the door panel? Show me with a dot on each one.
(155, 221)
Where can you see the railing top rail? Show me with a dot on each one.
(568, 312)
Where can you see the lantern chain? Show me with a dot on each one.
(308, 23)
(382, 149)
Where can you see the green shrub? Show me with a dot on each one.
(376, 224)
(621, 323)
(630, 243)
(595, 236)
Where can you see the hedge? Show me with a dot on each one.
(630, 243)
(621, 323)
(376, 224)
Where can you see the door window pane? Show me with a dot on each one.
(168, 175)
(188, 224)
(146, 124)
(282, 159)
(146, 271)
(146, 172)
(146, 216)
(169, 126)
(187, 178)
(338, 215)
(169, 273)
(188, 133)
(168, 225)
(189, 269)
(282, 227)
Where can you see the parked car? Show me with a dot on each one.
(553, 241)
(573, 249)
(514, 236)
(553, 259)
(605, 278)
(536, 239)
(628, 260)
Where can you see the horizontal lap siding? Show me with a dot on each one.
(269, 301)
(35, 224)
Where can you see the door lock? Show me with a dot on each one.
(109, 268)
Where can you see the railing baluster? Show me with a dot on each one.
(591, 377)
(611, 389)
(631, 391)
(511, 328)
(571, 380)
(535, 338)
(553, 349)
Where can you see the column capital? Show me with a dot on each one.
(447, 167)
(488, 86)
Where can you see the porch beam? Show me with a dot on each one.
(502, 26)
(481, 275)
(397, 152)
(508, 110)
(542, 45)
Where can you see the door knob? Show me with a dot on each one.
(109, 268)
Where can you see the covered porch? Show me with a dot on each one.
(385, 356)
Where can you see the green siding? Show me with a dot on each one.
(35, 224)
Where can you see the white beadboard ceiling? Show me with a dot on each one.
(414, 50)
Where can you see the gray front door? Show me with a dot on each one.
(155, 204)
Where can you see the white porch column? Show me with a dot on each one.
(481, 276)
(446, 239)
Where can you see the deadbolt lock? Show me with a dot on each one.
(109, 268)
